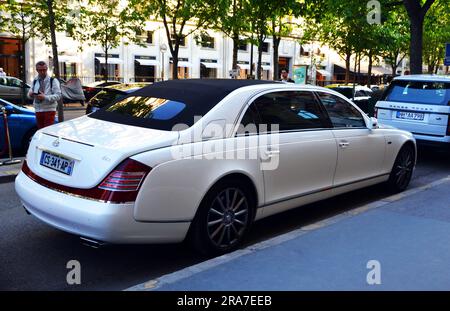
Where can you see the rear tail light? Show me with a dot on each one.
(126, 177)
(120, 186)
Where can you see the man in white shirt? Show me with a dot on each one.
(2, 73)
(45, 92)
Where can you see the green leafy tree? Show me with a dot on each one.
(436, 35)
(339, 26)
(417, 10)
(108, 24)
(21, 20)
(234, 21)
(394, 37)
(181, 18)
(280, 25)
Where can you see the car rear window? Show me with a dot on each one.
(147, 108)
(419, 92)
(106, 97)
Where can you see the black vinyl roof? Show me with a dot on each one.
(199, 96)
(197, 91)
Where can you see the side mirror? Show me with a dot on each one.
(373, 123)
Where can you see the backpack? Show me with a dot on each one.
(51, 83)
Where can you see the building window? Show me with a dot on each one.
(243, 46)
(265, 47)
(206, 41)
(67, 70)
(149, 39)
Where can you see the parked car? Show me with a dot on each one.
(360, 95)
(111, 93)
(21, 123)
(72, 91)
(203, 159)
(11, 89)
(419, 104)
(92, 89)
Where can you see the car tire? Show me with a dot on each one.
(223, 219)
(402, 170)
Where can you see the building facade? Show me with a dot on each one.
(208, 55)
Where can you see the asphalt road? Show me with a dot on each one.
(33, 256)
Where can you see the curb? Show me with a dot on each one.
(170, 278)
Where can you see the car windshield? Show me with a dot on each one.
(419, 92)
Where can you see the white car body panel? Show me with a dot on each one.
(95, 153)
(312, 166)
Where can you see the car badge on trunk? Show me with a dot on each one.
(56, 143)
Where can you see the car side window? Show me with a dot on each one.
(2, 81)
(291, 110)
(249, 122)
(341, 113)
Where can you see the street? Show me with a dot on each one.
(34, 255)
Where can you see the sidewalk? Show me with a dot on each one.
(8, 172)
(408, 234)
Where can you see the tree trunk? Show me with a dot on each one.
(251, 59)
(105, 74)
(394, 70)
(235, 50)
(358, 57)
(369, 71)
(415, 50)
(347, 67)
(416, 12)
(175, 60)
(51, 15)
(276, 66)
(260, 51)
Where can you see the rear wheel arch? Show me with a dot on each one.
(402, 168)
(26, 139)
(238, 177)
(238, 180)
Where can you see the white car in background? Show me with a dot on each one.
(419, 104)
(145, 169)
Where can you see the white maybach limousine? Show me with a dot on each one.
(134, 172)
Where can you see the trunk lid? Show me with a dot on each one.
(93, 146)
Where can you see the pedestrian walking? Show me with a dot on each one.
(45, 92)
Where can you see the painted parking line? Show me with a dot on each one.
(206, 265)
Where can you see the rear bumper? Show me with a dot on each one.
(112, 223)
(417, 130)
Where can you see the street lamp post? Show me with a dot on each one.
(163, 49)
